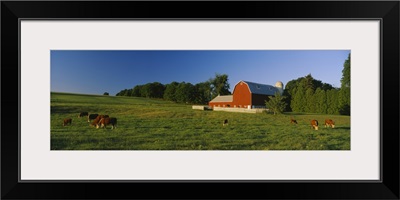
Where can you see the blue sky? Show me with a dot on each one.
(99, 71)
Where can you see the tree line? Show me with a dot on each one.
(307, 94)
(182, 92)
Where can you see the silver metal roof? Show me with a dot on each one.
(223, 98)
(257, 88)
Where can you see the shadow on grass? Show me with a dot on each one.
(203, 110)
(59, 109)
(295, 113)
(156, 127)
(58, 144)
(343, 128)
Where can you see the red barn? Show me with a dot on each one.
(247, 95)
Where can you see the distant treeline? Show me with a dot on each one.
(306, 94)
(183, 92)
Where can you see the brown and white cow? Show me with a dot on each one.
(329, 123)
(67, 121)
(314, 124)
(92, 116)
(82, 114)
(97, 120)
(107, 121)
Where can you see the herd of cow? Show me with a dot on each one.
(328, 123)
(104, 120)
(314, 123)
(98, 120)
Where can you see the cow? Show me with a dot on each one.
(104, 116)
(67, 121)
(225, 122)
(97, 120)
(314, 124)
(293, 121)
(329, 123)
(101, 116)
(92, 116)
(82, 114)
(107, 121)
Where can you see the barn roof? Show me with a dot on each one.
(223, 98)
(257, 88)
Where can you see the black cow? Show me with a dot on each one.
(82, 114)
(92, 116)
(225, 122)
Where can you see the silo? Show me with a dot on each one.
(279, 86)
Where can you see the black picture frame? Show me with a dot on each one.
(386, 11)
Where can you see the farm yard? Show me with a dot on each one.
(151, 124)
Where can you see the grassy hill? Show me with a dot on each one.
(149, 124)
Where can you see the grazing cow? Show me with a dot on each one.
(329, 123)
(92, 116)
(293, 121)
(67, 121)
(314, 124)
(107, 121)
(82, 114)
(97, 120)
(225, 122)
(101, 116)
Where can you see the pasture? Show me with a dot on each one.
(150, 124)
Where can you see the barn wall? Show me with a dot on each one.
(240, 110)
(241, 95)
(220, 104)
(259, 99)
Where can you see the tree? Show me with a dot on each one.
(185, 92)
(150, 90)
(121, 93)
(219, 85)
(170, 90)
(128, 93)
(276, 103)
(320, 101)
(326, 86)
(290, 86)
(344, 94)
(203, 92)
(345, 81)
(309, 82)
(298, 102)
(125, 92)
(106, 94)
(136, 91)
(156, 90)
(332, 99)
(310, 101)
(287, 100)
(145, 90)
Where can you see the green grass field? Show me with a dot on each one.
(149, 124)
